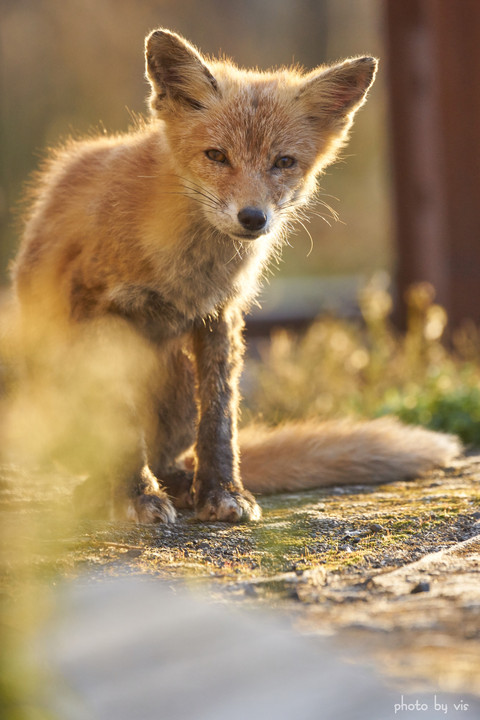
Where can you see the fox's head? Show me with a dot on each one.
(249, 145)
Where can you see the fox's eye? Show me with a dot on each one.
(216, 155)
(284, 162)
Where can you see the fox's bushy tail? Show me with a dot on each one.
(306, 455)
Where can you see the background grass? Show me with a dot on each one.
(425, 376)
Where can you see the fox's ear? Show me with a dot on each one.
(176, 71)
(333, 95)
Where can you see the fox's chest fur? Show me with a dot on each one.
(190, 284)
(205, 270)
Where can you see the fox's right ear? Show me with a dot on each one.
(177, 72)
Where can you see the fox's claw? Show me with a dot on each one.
(226, 506)
(152, 509)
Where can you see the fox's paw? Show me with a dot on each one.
(150, 508)
(227, 506)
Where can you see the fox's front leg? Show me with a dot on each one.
(217, 487)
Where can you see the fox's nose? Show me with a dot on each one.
(252, 218)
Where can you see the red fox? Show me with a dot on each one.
(165, 231)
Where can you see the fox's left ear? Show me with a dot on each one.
(333, 95)
(177, 73)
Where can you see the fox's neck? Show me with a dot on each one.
(207, 269)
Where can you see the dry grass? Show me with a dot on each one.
(340, 368)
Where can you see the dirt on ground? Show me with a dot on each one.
(394, 569)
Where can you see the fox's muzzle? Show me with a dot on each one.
(253, 219)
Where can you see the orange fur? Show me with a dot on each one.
(165, 232)
(343, 452)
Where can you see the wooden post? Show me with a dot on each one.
(434, 78)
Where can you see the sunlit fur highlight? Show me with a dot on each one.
(135, 270)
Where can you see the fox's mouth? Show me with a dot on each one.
(247, 236)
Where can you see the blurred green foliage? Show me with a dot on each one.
(425, 376)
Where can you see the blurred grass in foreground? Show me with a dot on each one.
(368, 369)
(65, 410)
(336, 368)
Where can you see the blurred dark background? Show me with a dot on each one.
(407, 187)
